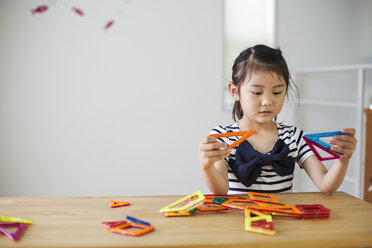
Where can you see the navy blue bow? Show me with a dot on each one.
(248, 162)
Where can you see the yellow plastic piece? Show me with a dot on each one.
(184, 204)
(14, 220)
(261, 223)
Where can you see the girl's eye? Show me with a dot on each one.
(256, 93)
(277, 93)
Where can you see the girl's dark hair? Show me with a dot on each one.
(253, 59)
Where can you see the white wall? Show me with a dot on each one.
(85, 111)
(320, 33)
(120, 112)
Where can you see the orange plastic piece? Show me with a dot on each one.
(244, 135)
(177, 214)
(122, 229)
(209, 205)
(116, 204)
(258, 222)
(229, 204)
(279, 208)
(254, 197)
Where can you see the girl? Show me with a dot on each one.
(265, 161)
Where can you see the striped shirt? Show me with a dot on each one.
(269, 181)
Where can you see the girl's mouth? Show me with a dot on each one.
(265, 112)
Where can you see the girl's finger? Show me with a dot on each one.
(209, 139)
(216, 153)
(343, 144)
(213, 146)
(350, 131)
(345, 151)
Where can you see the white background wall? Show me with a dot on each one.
(85, 111)
(121, 112)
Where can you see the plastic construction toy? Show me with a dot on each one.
(116, 204)
(137, 220)
(181, 213)
(185, 204)
(121, 227)
(208, 206)
(229, 203)
(314, 211)
(258, 222)
(261, 197)
(13, 222)
(244, 135)
(314, 140)
(281, 208)
(13, 236)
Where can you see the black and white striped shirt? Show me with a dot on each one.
(269, 181)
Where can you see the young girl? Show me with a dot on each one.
(265, 161)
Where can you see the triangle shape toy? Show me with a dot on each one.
(116, 204)
(14, 236)
(258, 222)
(313, 140)
(184, 204)
(244, 135)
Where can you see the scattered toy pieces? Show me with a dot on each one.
(259, 209)
(13, 222)
(121, 227)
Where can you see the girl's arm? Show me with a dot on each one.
(214, 168)
(329, 181)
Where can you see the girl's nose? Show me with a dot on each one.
(266, 101)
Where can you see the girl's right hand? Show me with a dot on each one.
(211, 151)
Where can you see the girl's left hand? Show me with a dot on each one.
(345, 144)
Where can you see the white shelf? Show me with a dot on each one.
(357, 106)
(329, 103)
(349, 179)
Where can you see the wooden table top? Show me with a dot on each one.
(76, 222)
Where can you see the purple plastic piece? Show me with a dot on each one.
(13, 236)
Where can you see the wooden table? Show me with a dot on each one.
(76, 222)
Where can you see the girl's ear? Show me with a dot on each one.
(234, 92)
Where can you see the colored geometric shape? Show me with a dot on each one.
(313, 140)
(258, 222)
(208, 206)
(229, 203)
(277, 208)
(137, 220)
(14, 220)
(184, 204)
(178, 214)
(14, 236)
(244, 135)
(314, 211)
(116, 204)
(111, 224)
(142, 229)
(255, 197)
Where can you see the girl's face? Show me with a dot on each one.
(261, 97)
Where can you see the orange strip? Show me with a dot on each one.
(245, 135)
